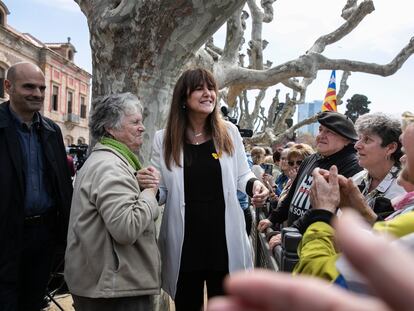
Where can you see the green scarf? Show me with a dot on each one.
(123, 150)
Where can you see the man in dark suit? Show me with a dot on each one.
(35, 190)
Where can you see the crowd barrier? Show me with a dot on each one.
(283, 257)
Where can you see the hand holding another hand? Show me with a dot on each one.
(148, 178)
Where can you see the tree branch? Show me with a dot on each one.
(255, 44)
(289, 132)
(307, 65)
(293, 84)
(342, 88)
(349, 8)
(210, 44)
(269, 138)
(191, 24)
(365, 8)
(267, 6)
(354, 15)
(234, 35)
(271, 113)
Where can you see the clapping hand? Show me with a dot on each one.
(264, 290)
(324, 192)
(350, 196)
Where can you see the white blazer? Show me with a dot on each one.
(235, 174)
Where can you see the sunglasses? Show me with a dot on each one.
(292, 163)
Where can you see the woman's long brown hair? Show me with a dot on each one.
(178, 120)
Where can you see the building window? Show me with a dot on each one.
(70, 55)
(70, 102)
(1, 18)
(2, 76)
(82, 108)
(55, 98)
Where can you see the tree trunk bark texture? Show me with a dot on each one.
(141, 46)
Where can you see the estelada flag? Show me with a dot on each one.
(329, 103)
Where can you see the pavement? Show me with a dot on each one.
(65, 301)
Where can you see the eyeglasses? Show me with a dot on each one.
(298, 163)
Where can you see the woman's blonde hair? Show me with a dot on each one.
(268, 159)
(177, 121)
(300, 150)
(257, 154)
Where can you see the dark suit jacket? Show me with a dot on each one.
(12, 189)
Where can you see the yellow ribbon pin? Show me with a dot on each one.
(216, 155)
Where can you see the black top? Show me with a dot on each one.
(204, 233)
(297, 201)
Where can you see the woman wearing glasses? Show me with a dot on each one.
(295, 156)
(297, 153)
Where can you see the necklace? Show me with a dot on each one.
(196, 136)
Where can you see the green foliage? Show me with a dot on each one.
(357, 106)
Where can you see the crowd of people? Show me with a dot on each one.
(357, 178)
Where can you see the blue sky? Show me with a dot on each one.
(53, 21)
(297, 24)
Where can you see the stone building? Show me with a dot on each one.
(67, 98)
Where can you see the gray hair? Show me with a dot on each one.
(386, 127)
(108, 112)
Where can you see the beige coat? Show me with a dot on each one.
(112, 248)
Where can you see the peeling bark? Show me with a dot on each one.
(142, 47)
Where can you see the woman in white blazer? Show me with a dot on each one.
(202, 163)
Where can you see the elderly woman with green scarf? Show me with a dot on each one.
(112, 259)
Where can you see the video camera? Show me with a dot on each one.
(243, 132)
(79, 153)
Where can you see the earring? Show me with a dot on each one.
(183, 106)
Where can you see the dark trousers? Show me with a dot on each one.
(138, 303)
(34, 269)
(190, 288)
